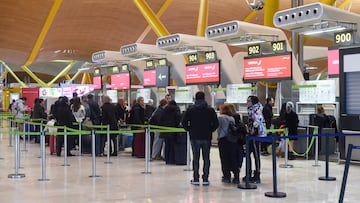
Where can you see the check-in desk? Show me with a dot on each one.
(355, 140)
(350, 124)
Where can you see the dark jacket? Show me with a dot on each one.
(291, 122)
(200, 120)
(137, 114)
(108, 116)
(149, 109)
(121, 112)
(63, 115)
(156, 117)
(95, 113)
(38, 112)
(268, 114)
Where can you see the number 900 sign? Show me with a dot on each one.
(343, 38)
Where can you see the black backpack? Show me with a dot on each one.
(237, 132)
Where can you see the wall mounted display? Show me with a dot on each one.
(120, 81)
(162, 76)
(97, 82)
(149, 78)
(202, 73)
(268, 67)
(238, 93)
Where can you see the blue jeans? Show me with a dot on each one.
(204, 145)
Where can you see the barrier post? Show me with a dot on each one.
(24, 130)
(147, 150)
(43, 156)
(93, 155)
(188, 168)
(326, 177)
(316, 133)
(346, 172)
(12, 123)
(247, 184)
(286, 165)
(65, 148)
(108, 145)
(80, 141)
(275, 193)
(17, 175)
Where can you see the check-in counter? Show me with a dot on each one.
(355, 140)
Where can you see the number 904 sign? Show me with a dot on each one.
(344, 38)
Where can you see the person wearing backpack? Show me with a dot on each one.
(228, 148)
(18, 109)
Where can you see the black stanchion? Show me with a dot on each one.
(247, 184)
(326, 177)
(346, 172)
(274, 193)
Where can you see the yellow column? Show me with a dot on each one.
(328, 2)
(344, 4)
(83, 79)
(151, 18)
(270, 7)
(250, 16)
(67, 77)
(202, 18)
(62, 73)
(13, 74)
(40, 40)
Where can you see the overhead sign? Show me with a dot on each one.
(150, 64)
(270, 67)
(162, 76)
(50, 92)
(208, 73)
(79, 89)
(120, 81)
(333, 62)
(162, 62)
(97, 82)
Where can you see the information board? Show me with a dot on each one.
(238, 93)
(184, 95)
(113, 95)
(50, 92)
(317, 91)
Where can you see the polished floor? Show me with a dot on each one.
(123, 180)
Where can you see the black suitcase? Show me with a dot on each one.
(180, 149)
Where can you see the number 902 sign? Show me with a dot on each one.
(343, 38)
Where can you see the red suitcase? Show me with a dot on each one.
(52, 143)
(139, 144)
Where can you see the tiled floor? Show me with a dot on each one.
(123, 181)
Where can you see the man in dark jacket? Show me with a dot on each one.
(268, 115)
(109, 118)
(200, 120)
(95, 117)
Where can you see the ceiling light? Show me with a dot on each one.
(245, 43)
(141, 58)
(323, 30)
(186, 51)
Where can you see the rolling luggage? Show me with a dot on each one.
(180, 149)
(52, 144)
(139, 145)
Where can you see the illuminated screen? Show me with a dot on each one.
(149, 78)
(120, 81)
(97, 82)
(333, 62)
(203, 73)
(272, 67)
(162, 76)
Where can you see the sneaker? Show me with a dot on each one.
(195, 182)
(206, 182)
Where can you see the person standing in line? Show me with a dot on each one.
(109, 118)
(228, 150)
(168, 97)
(268, 115)
(149, 109)
(170, 118)
(256, 126)
(38, 113)
(155, 120)
(95, 117)
(291, 122)
(137, 116)
(201, 121)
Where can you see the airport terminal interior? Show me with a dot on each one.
(302, 53)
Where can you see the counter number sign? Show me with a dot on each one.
(344, 38)
(278, 46)
(254, 49)
(193, 58)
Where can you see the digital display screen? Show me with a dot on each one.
(203, 73)
(120, 81)
(162, 76)
(149, 78)
(333, 62)
(97, 82)
(272, 67)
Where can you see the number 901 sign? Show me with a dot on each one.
(343, 38)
